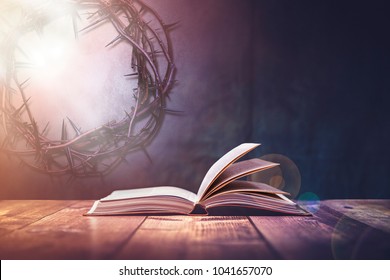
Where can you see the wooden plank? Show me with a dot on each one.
(352, 239)
(196, 237)
(296, 237)
(50, 230)
(16, 214)
(373, 212)
(330, 234)
(68, 234)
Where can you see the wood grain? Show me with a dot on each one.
(352, 238)
(375, 213)
(16, 214)
(295, 237)
(67, 234)
(196, 237)
(342, 229)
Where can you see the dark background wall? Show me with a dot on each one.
(321, 90)
(307, 80)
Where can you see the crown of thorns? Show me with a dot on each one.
(96, 151)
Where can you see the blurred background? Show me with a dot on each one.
(308, 80)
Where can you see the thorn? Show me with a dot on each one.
(94, 23)
(114, 40)
(101, 12)
(173, 112)
(36, 135)
(22, 84)
(17, 111)
(147, 154)
(74, 22)
(130, 75)
(92, 14)
(76, 129)
(44, 130)
(128, 115)
(63, 133)
(69, 158)
(170, 26)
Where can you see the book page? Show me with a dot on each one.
(245, 201)
(249, 186)
(151, 192)
(238, 170)
(220, 165)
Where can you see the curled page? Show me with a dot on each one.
(238, 170)
(220, 165)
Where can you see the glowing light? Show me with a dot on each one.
(103, 82)
(310, 201)
(342, 247)
(73, 78)
(286, 176)
(48, 53)
(277, 181)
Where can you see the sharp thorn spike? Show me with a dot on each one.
(17, 111)
(114, 40)
(74, 126)
(63, 132)
(130, 75)
(74, 22)
(170, 26)
(25, 81)
(44, 130)
(93, 24)
(128, 115)
(69, 158)
(147, 154)
(174, 112)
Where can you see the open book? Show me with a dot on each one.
(220, 189)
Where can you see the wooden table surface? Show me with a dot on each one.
(339, 229)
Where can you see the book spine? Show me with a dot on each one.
(198, 210)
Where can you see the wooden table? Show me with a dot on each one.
(339, 229)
